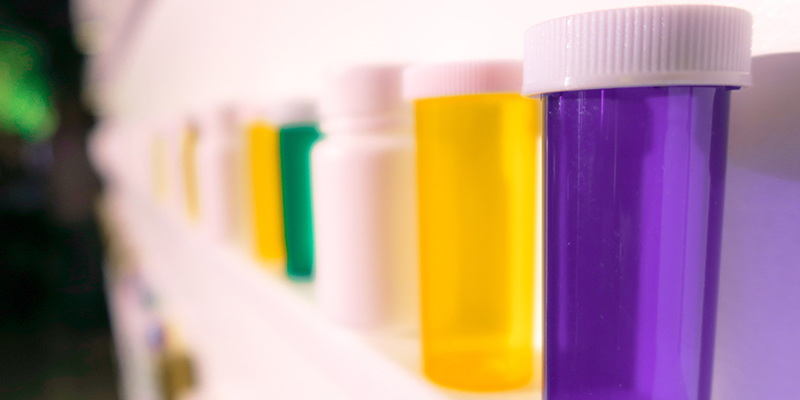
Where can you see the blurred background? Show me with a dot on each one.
(55, 341)
(66, 65)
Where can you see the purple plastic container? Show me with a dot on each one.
(637, 103)
(635, 186)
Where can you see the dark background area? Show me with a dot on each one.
(55, 341)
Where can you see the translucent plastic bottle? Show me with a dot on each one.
(476, 146)
(364, 202)
(636, 141)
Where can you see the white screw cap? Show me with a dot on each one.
(639, 46)
(363, 91)
(462, 78)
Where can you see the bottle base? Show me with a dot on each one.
(480, 371)
(300, 277)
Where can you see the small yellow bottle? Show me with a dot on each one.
(263, 171)
(477, 177)
(189, 164)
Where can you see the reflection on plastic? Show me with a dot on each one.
(758, 350)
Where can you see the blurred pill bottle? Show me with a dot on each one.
(477, 179)
(216, 171)
(364, 202)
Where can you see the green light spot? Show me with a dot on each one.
(26, 106)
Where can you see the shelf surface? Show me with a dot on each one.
(255, 334)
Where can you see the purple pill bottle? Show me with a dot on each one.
(636, 107)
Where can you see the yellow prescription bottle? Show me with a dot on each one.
(477, 183)
(189, 164)
(263, 172)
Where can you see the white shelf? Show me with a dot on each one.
(255, 334)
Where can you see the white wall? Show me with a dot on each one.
(187, 54)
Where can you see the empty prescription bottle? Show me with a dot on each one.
(262, 146)
(476, 169)
(637, 103)
(364, 201)
(262, 171)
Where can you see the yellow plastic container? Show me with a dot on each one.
(477, 177)
(189, 164)
(265, 190)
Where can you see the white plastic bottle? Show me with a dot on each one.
(216, 173)
(364, 200)
(167, 146)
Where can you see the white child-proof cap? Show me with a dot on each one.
(639, 46)
(364, 99)
(362, 91)
(462, 78)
